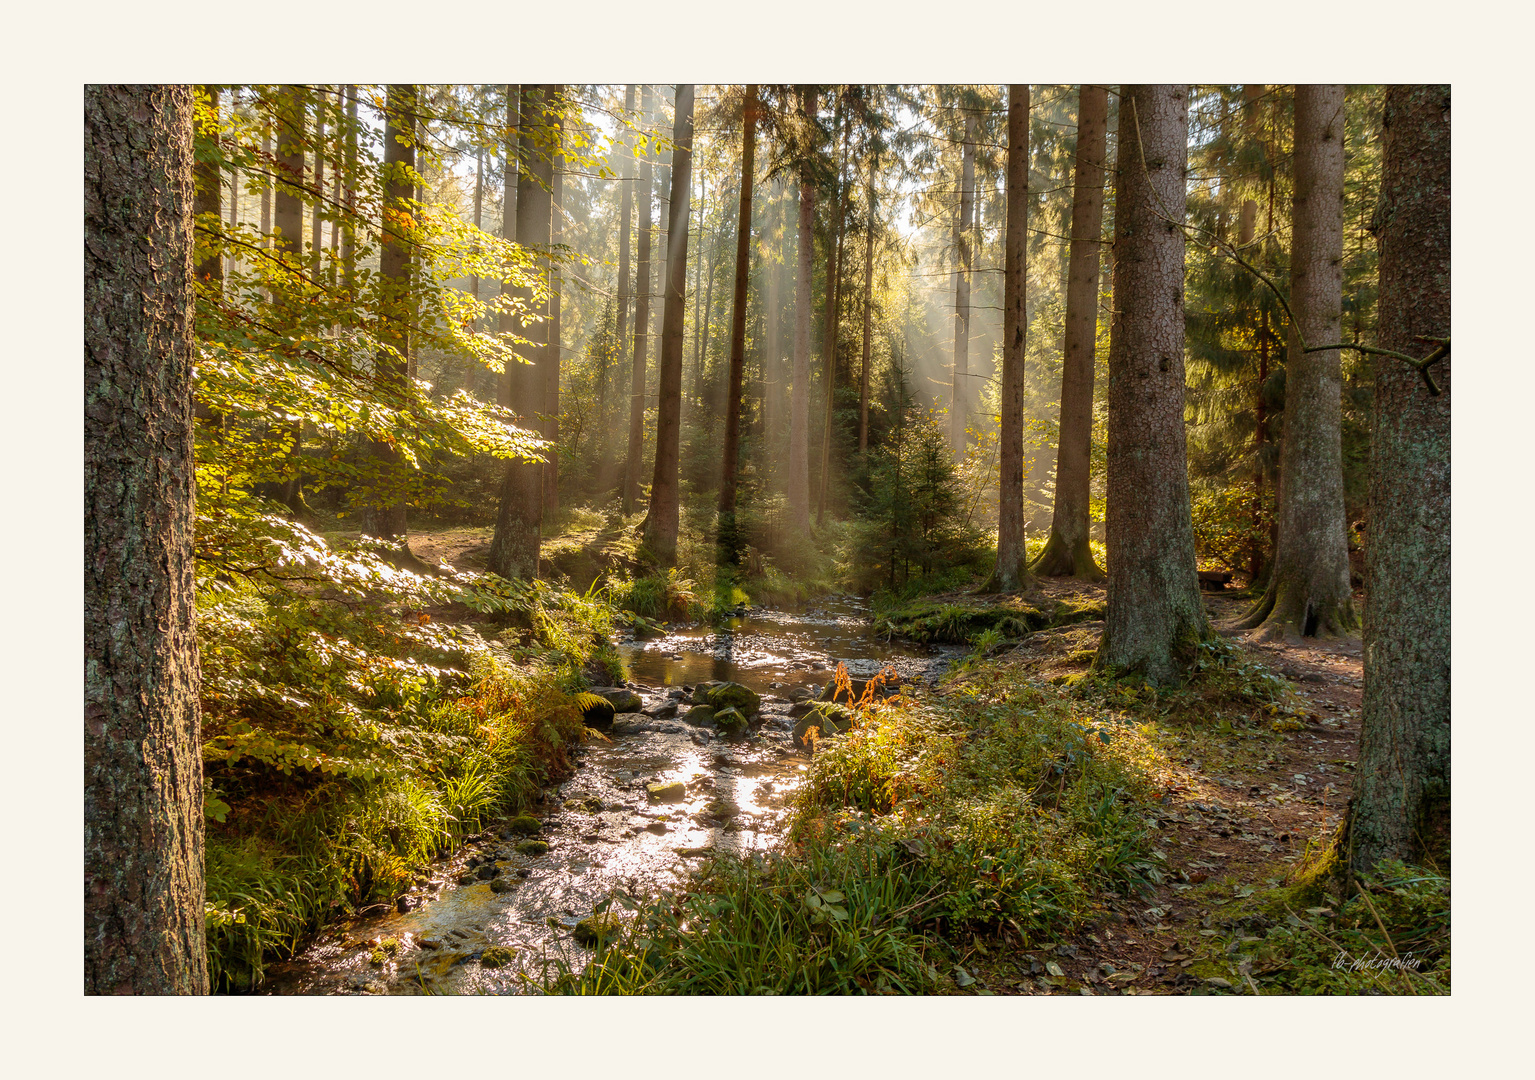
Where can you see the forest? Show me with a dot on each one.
(604, 539)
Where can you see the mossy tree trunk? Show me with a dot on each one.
(1155, 613)
(665, 506)
(1308, 589)
(143, 764)
(1012, 569)
(519, 519)
(1068, 552)
(1401, 801)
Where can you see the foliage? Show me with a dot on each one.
(1229, 532)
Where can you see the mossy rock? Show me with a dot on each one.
(731, 719)
(533, 847)
(596, 711)
(622, 700)
(595, 928)
(497, 956)
(730, 695)
(672, 791)
(586, 804)
(699, 716)
(828, 719)
(502, 885)
(525, 825)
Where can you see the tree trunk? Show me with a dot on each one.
(479, 210)
(519, 520)
(316, 223)
(833, 312)
(729, 542)
(868, 322)
(1155, 614)
(1068, 551)
(144, 888)
(1308, 589)
(508, 323)
(210, 190)
(288, 220)
(772, 360)
(1012, 567)
(551, 426)
(799, 392)
(635, 463)
(1401, 802)
(959, 394)
(266, 188)
(348, 230)
(625, 213)
(661, 523)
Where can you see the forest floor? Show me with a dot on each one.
(1239, 814)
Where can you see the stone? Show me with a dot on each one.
(586, 804)
(830, 719)
(496, 956)
(502, 885)
(729, 695)
(731, 719)
(594, 928)
(467, 879)
(673, 791)
(622, 700)
(799, 693)
(522, 825)
(429, 943)
(800, 708)
(657, 827)
(700, 716)
(407, 903)
(533, 847)
(663, 710)
(489, 870)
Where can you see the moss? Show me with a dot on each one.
(533, 847)
(525, 825)
(595, 928)
(497, 956)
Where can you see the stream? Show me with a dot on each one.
(604, 831)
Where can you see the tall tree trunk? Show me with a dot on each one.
(1012, 566)
(144, 888)
(234, 181)
(288, 220)
(772, 360)
(799, 393)
(348, 229)
(479, 211)
(1308, 590)
(634, 463)
(266, 188)
(519, 520)
(868, 321)
(661, 523)
(729, 541)
(700, 319)
(551, 426)
(959, 395)
(1068, 552)
(380, 518)
(1401, 801)
(316, 221)
(508, 323)
(1155, 614)
(625, 214)
(335, 186)
(833, 313)
(210, 190)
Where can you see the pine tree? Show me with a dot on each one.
(1012, 572)
(729, 542)
(633, 464)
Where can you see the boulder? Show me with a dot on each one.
(800, 708)
(594, 928)
(731, 719)
(730, 695)
(700, 716)
(598, 713)
(522, 825)
(829, 719)
(622, 700)
(533, 847)
(662, 710)
(798, 694)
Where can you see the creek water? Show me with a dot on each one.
(602, 829)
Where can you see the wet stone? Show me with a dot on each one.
(533, 847)
(672, 791)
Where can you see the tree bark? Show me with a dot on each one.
(1068, 552)
(1155, 615)
(634, 462)
(729, 542)
(959, 395)
(348, 230)
(514, 546)
(144, 889)
(1401, 801)
(661, 523)
(799, 392)
(1308, 590)
(626, 212)
(772, 360)
(382, 517)
(288, 220)
(316, 224)
(551, 425)
(1012, 567)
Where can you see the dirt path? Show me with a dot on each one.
(1235, 818)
